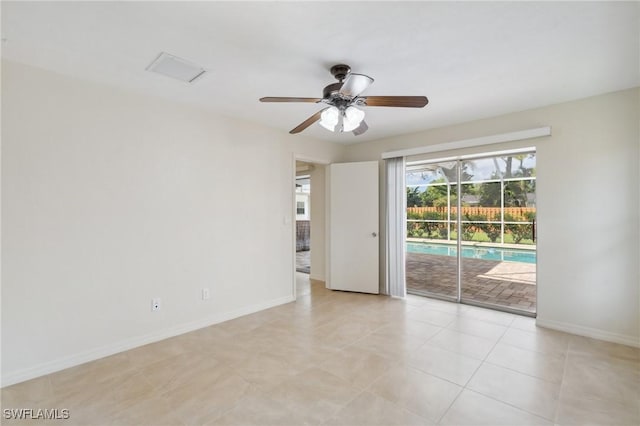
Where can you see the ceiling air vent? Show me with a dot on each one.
(177, 68)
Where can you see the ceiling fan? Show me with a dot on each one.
(342, 98)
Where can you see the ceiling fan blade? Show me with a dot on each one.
(355, 84)
(308, 122)
(361, 128)
(396, 101)
(282, 99)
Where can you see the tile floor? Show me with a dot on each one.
(335, 358)
(303, 261)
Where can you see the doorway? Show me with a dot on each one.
(308, 225)
(303, 224)
(479, 247)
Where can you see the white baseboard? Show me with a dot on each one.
(316, 277)
(125, 345)
(594, 333)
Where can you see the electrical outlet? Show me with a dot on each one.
(205, 294)
(155, 304)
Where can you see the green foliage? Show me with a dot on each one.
(435, 195)
(442, 202)
(519, 231)
(491, 230)
(468, 232)
(490, 195)
(515, 193)
(414, 198)
(427, 229)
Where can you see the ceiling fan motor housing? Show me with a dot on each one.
(331, 91)
(340, 71)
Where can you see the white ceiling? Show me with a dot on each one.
(471, 59)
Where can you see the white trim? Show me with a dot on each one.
(468, 143)
(134, 342)
(594, 333)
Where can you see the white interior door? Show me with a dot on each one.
(352, 227)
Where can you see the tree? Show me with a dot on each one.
(413, 197)
(490, 194)
(433, 195)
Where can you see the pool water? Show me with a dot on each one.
(487, 253)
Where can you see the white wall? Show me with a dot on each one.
(110, 198)
(318, 223)
(588, 203)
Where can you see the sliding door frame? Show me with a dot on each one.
(459, 267)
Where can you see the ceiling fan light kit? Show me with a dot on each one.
(343, 97)
(345, 120)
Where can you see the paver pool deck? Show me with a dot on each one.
(509, 284)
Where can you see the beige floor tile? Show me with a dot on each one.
(173, 372)
(102, 370)
(544, 366)
(145, 412)
(303, 354)
(418, 329)
(154, 352)
(463, 344)
(342, 332)
(524, 323)
(315, 395)
(432, 316)
(359, 367)
(444, 364)
(231, 351)
(203, 401)
(241, 324)
(500, 318)
(444, 306)
(31, 392)
(598, 378)
(397, 347)
(472, 408)
(525, 392)
(544, 341)
(580, 410)
(211, 333)
(421, 393)
(94, 412)
(478, 328)
(102, 402)
(259, 410)
(369, 409)
(266, 370)
(415, 300)
(598, 348)
(265, 337)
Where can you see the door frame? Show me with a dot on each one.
(295, 158)
(459, 263)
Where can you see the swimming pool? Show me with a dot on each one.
(487, 253)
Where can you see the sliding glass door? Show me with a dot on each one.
(431, 228)
(492, 260)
